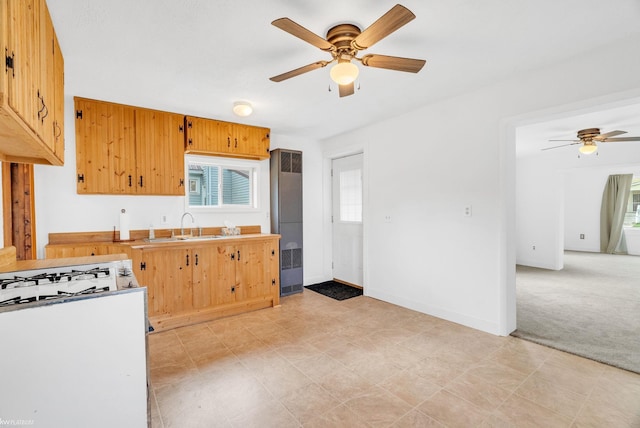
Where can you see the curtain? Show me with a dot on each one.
(614, 205)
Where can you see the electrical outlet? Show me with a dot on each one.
(534, 247)
(582, 236)
(467, 211)
(387, 219)
(164, 219)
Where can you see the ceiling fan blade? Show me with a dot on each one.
(393, 63)
(621, 139)
(299, 71)
(575, 141)
(606, 135)
(395, 18)
(563, 145)
(346, 90)
(299, 31)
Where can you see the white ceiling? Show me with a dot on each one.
(199, 56)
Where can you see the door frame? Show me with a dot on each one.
(335, 217)
(328, 156)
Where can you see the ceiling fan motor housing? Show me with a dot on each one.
(341, 37)
(588, 134)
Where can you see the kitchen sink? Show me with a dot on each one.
(184, 238)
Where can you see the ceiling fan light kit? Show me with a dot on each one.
(242, 108)
(343, 42)
(344, 73)
(588, 149)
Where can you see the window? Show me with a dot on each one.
(351, 195)
(634, 202)
(218, 183)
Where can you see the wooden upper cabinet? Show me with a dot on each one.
(105, 148)
(214, 137)
(128, 150)
(159, 152)
(205, 135)
(32, 88)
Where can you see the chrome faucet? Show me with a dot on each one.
(182, 221)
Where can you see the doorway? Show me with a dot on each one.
(18, 209)
(347, 231)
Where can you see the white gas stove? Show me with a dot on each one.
(54, 283)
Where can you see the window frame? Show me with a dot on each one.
(254, 167)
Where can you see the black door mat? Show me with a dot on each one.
(335, 290)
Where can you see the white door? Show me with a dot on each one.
(347, 219)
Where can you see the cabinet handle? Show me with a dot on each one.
(233, 256)
(129, 181)
(44, 111)
(196, 260)
(57, 130)
(141, 185)
(238, 255)
(236, 146)
(228, 142)
(8, 62)
(187, 259)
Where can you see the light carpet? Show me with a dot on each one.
(590, 308)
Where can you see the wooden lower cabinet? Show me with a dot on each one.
(196, 284)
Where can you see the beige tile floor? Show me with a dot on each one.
(317, 362)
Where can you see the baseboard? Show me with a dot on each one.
(458, 318)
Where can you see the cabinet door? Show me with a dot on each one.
(47, 79)
(58, 99)
(24, 49)
(224, 278)
(250, 141)
(205, 270)
(251, 272)
(167, 276)
(159, 152)
(272, 266)
(205, 135)
(105, 147)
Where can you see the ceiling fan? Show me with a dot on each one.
(344, 41)
(590, 136)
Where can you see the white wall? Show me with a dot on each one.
(539, 212)
(425, 167)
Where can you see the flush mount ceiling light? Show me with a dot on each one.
(242, 108)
